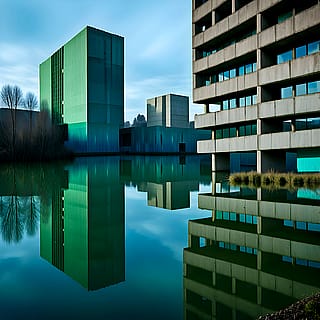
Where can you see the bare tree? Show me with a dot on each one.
(12, 97)
(30, 103)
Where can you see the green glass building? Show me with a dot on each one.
(82, 86)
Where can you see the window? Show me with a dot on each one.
(284, 57)
(314, 87)
(226, 75)
(220, 76)
(284, 16)
(301, 51)
(225, 105)
(242, 102)
(242, 131)
(233, 132)
(248, 101)
(314, 47)
(233, 73)
(254, 99)
(301, 89)
(233, 103)
(241, 71)
(286, 92)
(218, 134)
(254, 67)
(248, 68)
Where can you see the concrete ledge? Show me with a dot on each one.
(276, 73)
(206, 146)
(205, 120)
(201, 11)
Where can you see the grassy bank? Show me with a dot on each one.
(276, 180)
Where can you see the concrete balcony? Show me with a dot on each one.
(305, 65)
(206, 146)
(237, 144)
(276, 73)
(205, 120)
(229, 23)
(201, 11)
(288, 107)
(290, 140)
(298, 23)
(227, 54)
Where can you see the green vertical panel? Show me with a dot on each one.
(105, 90)
(46, 232)
(76, 225)
(45, 85)
(75, 91)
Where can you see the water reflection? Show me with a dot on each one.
(84, 234)
(258, 252)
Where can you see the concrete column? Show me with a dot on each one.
(213, 191)
(259, 295)
(234, 286)
(233, 6)
(213, 18)
(259, 22)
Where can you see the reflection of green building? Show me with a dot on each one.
(251, 257)
(82, 86)
(84, 234)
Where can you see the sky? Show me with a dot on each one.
(158, 55)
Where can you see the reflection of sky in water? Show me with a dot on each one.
(153, 289)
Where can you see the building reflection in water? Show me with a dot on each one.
(258, 252)
(168, 181)
(82, 229)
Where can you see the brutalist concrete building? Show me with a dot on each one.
(256, 70)
(82, 86)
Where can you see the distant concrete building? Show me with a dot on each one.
(170, 110)
(82, 85)
(256, 70)
(168, 128)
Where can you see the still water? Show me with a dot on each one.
(129, 238)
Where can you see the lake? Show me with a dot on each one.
(151, 238)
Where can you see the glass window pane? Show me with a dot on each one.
(301, 124)
(313, 123)
(254, 67)
(233, 103)
(301, 51)
(286, 92)
(249, 68)
(225, 215)
(248, 101)
(284, 16)
(314, 47)
(233, 216)
(208, 82)
(242, 217)
(301, 89)
(249, 219)
(254, 99)
(241, 71)
(242, 131)
(225, 105)
(220, 76)
(225, 133)
(233, 73)
(284, 57)
(214, 78)
(242, 102)
(233, 132)
(248, 130)
(218, 214)
(226, 75)
(314, 87)
(254, 129)
(255, 220)
(218, 134)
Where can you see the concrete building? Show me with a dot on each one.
(252, 256)
(168, 128)
(82, 85)
(170, 111)
(256, 70)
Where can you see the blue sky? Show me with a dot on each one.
(157, 42)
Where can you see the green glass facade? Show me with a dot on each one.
(82, 85)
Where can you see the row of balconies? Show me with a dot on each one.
(293, 69)
(267, 209)
(270, 141)
(295, 24)
(300, 22)
(276, 245)
(279, 108)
